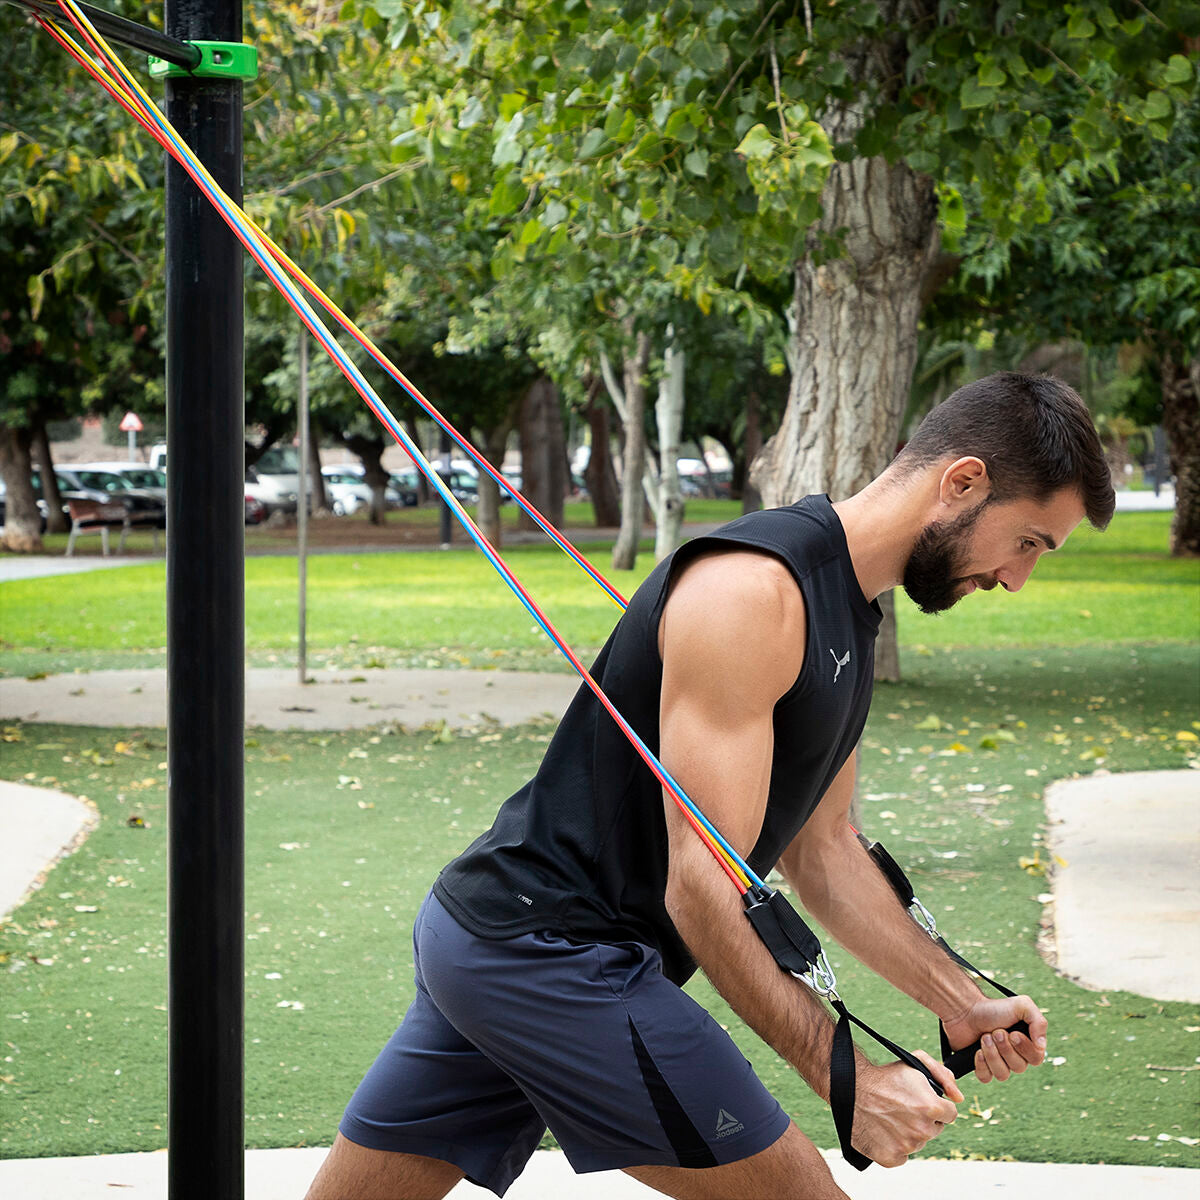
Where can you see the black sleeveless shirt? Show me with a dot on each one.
(581, 849)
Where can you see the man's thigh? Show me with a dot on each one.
(352, 1172)
(791, 1169)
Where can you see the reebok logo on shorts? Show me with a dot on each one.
(727, 1125)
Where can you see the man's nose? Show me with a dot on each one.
(1012, 579)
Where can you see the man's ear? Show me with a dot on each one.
(965, 479)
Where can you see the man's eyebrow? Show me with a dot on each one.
(1051, 544)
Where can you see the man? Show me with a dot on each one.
(549, 955)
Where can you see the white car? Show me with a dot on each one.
(346, 490)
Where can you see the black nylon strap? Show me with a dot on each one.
(895, 876)
(842, 1091)
(792, 944)
(960, 1062)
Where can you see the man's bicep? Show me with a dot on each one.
(730, 649)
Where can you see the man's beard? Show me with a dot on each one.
(932, 576)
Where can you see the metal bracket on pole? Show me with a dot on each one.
(218, 60)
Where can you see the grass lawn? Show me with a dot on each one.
(447, 608)
(345, 832)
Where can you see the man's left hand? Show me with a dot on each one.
(1002, 1053)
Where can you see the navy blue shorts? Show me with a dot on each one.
(507, 1038)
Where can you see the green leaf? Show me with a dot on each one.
(1179, 69)
(591, 144)
(696, 162)
(758, 143)
(1158, 104)
(37, 294)
(510, 105)
(990, 74)
(951, 209)
(1079, 25)
(530, 232)
(680, 127)
(971, 95)
(507, 196)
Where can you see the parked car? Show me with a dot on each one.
(145, 508)
(256, 511)
(347, 483)
(136, 475)
(403, 485)
(346, 490)
(274, 480)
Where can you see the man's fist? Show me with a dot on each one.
(1002, 1053)
(896, 1111)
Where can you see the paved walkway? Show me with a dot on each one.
(286, 1174)
(275, 699)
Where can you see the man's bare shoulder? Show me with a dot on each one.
(744, 607)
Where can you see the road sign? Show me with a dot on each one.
(131, 423)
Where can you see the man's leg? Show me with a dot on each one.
(791, 1169)
(353, 1172)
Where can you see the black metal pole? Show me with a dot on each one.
(205, 630)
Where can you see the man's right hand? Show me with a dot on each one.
(896, 1111)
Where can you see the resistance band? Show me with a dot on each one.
(790, 941)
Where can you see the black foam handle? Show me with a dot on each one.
(962, 1062)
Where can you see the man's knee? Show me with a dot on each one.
(353, 1172)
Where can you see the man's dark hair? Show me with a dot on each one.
(1033, 432)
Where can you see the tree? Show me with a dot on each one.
(1106, 271)
(78, 193)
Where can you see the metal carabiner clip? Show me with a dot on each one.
(924, 918)
(820, 978)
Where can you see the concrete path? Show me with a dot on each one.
(275, 699)
(286, 1174)
(40, 826)
(1127, 902)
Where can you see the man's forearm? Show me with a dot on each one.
(841, 886)
(784, 1012)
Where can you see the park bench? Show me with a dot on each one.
(95, 516)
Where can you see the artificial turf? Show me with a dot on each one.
(345, 831)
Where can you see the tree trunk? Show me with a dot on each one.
(56, 519)
(375, 476)
(494, 444)
(854, 336)
(22, 529)
(543, 452)
(1181, 422)
(425, 492)
(599, 474)
(668, 412)
(632, 493)
(616, 390)
(316, 481)
(751, 448)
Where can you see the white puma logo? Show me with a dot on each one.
(841, 662)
